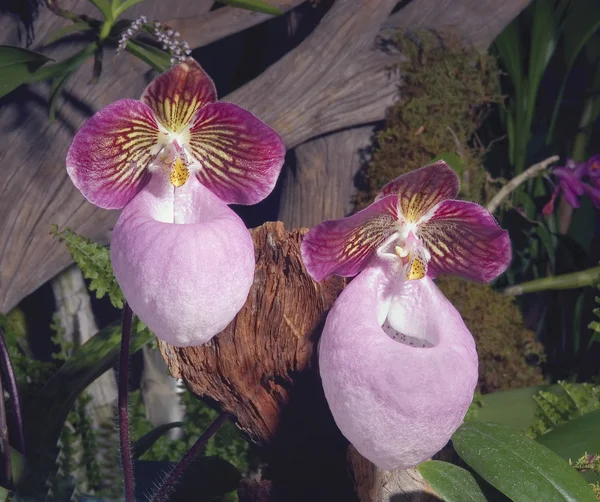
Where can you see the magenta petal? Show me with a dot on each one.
(185, 281)
(397, 404)
(177, 94)
(464, 239)
(571, 196)
(420, 190)
(240, 156)
(109, 154)
(344, 247)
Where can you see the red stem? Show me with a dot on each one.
(123, 412)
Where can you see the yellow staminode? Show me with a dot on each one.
(180, 173)
(417, 269)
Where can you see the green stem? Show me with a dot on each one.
(581, 279)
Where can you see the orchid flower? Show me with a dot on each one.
(398, 365)
(574, 180)
(172, 161)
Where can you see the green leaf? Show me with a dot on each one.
(94, 261)
(254, 5)
(519, 467)
(453, 160)
(65, 31)
(143, 444)
(62, 67)
(452, 483)
(572, 439)
(19, 466)
(158, 59)
(582, 21)
(57, 86)
(104, 7)
(515, 408)
(54, 401)
(544, 36)
(17, 65)
(127, 4)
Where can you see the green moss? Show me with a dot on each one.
(446, 92)
(509, 356)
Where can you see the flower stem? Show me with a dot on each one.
(9, 373)
(163, 492)
(4, 443)
(123, 415)
(529, 173)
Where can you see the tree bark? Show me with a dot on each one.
(262, 368)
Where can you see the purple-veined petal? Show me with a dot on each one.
(240, 156)
(177, 94)
(109, 154)
(344, 247)
(187, 280)
(420, 190)
(464, 239)
(397, 400)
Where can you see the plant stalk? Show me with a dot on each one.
(4, 443)
(123, 412)
(581, 279)
(8, 372)
(164, 491)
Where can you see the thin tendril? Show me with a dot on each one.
(9, 372)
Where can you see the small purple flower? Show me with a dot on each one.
(173, 161)
(398, 364)
(574, 180)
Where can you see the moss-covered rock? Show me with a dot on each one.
(509, 356)
(446, 92)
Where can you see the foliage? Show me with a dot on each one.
(447, 92)
(24, 66)
(509, 356)
(504, 465)
(94, 261)
(589, 463)
(563, 404)
(226, 444)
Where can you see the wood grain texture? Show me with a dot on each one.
(375, 485)
(262, 369)
(477, 22)
(321, 184)
(331, 81)
(206, 28)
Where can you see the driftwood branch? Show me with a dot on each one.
(262, 369)
(320, 184)
(476, 22)
(204, 29)
(332, 80)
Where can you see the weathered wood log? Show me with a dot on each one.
(201, 30)
(375, 485)
(476, 22)
(262, 369)
(320, 184)
(333, 80)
